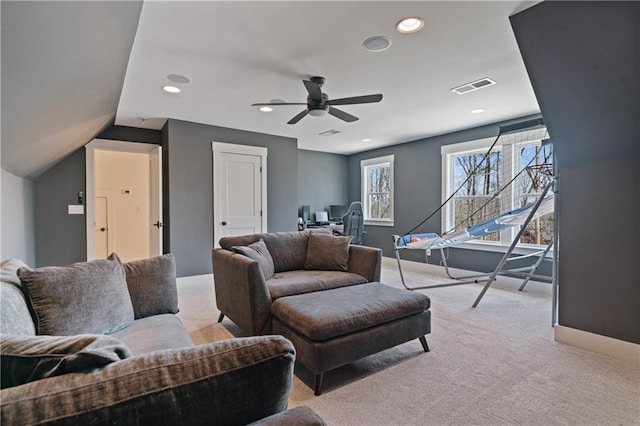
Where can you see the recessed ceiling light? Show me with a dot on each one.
(171, 89)
(266, 109)
(477, 110)
(377, 43)
(367, 140)
(409, 25)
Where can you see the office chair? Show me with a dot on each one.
(353, 223)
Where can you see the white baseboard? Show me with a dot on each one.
(620, 349)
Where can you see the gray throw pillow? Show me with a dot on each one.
(28, 358)
(258, 251)
(85, 297)
(327, 253)
(152, 285)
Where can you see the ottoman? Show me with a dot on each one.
(334, 327)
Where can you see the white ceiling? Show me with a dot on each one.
(239, 53)
(70, 69)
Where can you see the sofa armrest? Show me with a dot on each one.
(365, 261)
(241, 291)
(235, 381)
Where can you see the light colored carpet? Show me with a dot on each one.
(496, 364)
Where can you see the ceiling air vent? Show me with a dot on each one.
(329, 132)
(475, 85)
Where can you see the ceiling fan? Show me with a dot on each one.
(319, 104)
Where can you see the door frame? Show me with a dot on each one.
(232, 148)
(90, 190)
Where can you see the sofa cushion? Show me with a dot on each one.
(327, 253)
(288, 249)
(298, 282)
(29, 358)
(85, 297)
(333, 313)
(15, 317)
(152, 285)
(154, 333)
(258, 251)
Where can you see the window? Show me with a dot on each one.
(377, 190)
(511, 176)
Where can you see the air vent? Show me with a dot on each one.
(475, 85)
(329, 132)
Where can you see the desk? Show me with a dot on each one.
(337, 229)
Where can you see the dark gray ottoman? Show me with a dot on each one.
(332, 328)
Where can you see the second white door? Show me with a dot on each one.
(239, 190)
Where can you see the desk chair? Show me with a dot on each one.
(354, 223)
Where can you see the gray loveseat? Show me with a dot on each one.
(253, 271)
(99, 343)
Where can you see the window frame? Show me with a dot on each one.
(365, 166)
(510, 160)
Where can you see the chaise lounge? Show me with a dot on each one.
(332, 316)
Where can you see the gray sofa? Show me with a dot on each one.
(253, 271)
(99, 343)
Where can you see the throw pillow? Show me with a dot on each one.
(152, 285)
(327, 252)
(28, 358)
(258, 251)
(85, 297)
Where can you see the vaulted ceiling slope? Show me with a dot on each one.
(71, 68)
(63, 68)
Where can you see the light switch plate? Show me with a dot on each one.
(76, 209)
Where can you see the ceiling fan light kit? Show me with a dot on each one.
(318, 103)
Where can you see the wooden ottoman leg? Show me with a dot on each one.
(423, 340)
(317, 384)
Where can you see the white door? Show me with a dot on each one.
(155, 201)
(239, 190)
(101, 227)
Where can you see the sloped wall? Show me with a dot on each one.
(583, 62)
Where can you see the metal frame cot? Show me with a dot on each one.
(520, 217)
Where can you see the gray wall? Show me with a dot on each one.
(189, 190)
(417, 192)
(60, 237)
(18, 233)
(583, 61)
(323, 179)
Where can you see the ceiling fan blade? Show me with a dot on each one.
(342, 115)
(367, 99)
(298, 117)
(314, 90)
(278, 103)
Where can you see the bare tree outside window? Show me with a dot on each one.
(480, 179)
(481, 196)
(537, 160)
(379, 191)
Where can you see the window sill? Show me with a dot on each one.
(370, 222)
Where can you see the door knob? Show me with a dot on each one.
(158, 224)
(224, 222)
(103, 229)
